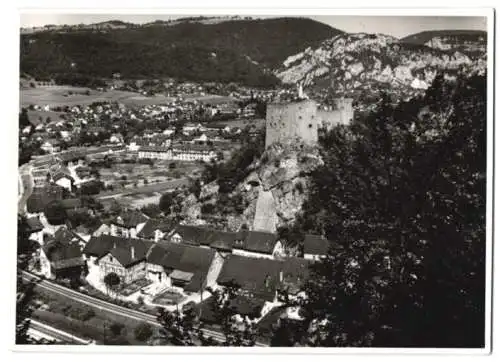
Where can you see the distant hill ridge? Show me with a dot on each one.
(235, 50)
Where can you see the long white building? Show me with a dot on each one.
(178, 153)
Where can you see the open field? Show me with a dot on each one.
(125, 176)
(210, 99)
(59, 96)
(140, 196)
(242, 123)
(35, 115)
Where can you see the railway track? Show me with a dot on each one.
(110, 307)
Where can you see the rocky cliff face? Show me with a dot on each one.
(366, 62)
(273, 192)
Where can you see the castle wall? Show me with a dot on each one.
(342, 114)
(328, 119)
(290, 120)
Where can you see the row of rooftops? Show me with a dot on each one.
(192, 148)
(259, 277)
(249, 240)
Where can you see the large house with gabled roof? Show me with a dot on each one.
(125, 257)
(128, 223)
(61, 256)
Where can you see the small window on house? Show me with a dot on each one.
(310, 125)
(110, 258)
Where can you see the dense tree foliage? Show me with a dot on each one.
(111, 280)
(166, 202)
(143, 332)
(230, 173)
(403, 192)
(184, 328)
(55, 213)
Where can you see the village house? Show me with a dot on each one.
(126, 257)
(103, 229)
(258, 244)
(63, 180)
(61, 256)
(35, 229)
(40, 177)
(185, 268)
(128, 223)
(260, 282)
(41, 196)
(315, 247)
(155, 229)
(116, 138)
(51, 146)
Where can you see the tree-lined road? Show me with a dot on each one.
(26, 185)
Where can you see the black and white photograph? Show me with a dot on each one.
(254, 180)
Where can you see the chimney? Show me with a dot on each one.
(281, 276)
(132, 252)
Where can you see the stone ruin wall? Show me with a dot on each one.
(290, 120)
(342, 114)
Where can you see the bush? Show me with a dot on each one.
(116, 328)
(207, 208)
(55, 213)
(143, 332)
(299, 187)
(79, 314)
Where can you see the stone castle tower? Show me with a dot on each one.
(302, 119)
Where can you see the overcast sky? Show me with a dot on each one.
(398, 26)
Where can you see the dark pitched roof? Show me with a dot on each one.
(184, 258)
(71, 203)
(63, 255)
(103, 244)
(60, 175)
(41, 196)
(148, 230)
(130, 219)
(315, 244)
(257, 241)
(34, 224)
(200, 235)
(66, 236)
(260, 277)
(223, 240)
(294, 272)
(196, 235)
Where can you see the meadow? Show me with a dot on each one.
(69, 96)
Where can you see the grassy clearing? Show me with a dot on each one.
(60, 96)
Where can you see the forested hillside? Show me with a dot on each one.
(241, 51)
(402, 196)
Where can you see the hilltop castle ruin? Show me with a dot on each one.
(302, 119)
(299, 120)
